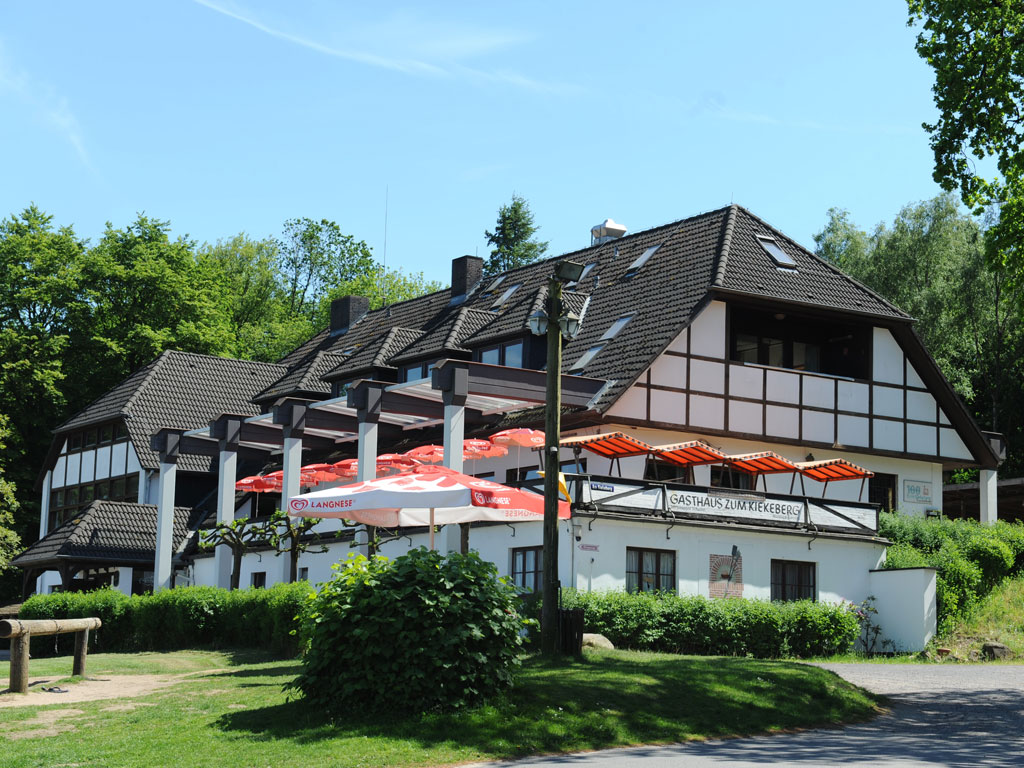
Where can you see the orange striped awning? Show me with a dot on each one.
(765, 463)
(689, 454)
(611, 445)
(827, 470)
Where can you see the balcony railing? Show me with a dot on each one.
(674, 501)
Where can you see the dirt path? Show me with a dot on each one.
(94, 689)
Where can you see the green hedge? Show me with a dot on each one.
(699, 625)
(174, 619)
(969, 559)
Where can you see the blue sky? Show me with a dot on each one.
(225, 117)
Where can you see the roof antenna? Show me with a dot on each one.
(384, 270)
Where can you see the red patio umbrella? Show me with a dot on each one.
(520, 437)
(254, 484)
(395, 462)
(428, 454)
(319, 473)
(425, 495)
(481, 449)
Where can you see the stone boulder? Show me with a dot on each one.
(993, 651)
(597, 641)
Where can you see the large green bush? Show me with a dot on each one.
(700, 625)
(969, 558)
(174, 619)
(422, 632)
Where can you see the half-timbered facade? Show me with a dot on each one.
(716, 328)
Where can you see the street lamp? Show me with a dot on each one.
(555, 323)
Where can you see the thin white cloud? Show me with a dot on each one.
(439, 46)
(50, 107)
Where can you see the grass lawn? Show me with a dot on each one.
(998, 617)
(239, 716)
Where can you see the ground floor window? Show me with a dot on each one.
(882, 491)
(527, 567)
(793, 580)
(259, 579)
(650, 570)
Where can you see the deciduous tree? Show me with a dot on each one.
(976, 52)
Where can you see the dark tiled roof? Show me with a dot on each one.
(305, 379)
(376, 354)
(178, 390)
(745, 267)
(108, 531)
(449, 335)
(715, 250)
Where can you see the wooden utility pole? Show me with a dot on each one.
(552, 430)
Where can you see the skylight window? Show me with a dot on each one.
(494, 285)
(505, 296)
(586, 357)
(637, 265)
(614, 328)
(779, 256)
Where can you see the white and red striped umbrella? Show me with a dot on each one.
(425, 495)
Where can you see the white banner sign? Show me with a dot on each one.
(724, 503)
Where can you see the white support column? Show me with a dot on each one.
(367, 451)
(988, 501)
(44, 505)
(454, 434)
(454, 385)
(291, 463)
(227, 471)
(44, 519)
(366, 397)
(164, 526)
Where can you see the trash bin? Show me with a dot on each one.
(570, 631)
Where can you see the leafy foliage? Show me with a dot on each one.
(931, 263)
(239, 536)
(513, 238)
(173, 619)
(975, 51)
(423, 632)
(699, 625)
(10, 543)
(76, 319)
(970, 559)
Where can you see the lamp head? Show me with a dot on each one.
(568, 271)
(538, 323)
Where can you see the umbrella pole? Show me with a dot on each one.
(431, 528)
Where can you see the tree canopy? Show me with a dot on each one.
(931, 263)
(975, 51)
(77, 318)
(513, 238)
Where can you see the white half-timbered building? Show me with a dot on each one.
(717, 330)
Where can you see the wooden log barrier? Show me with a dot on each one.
(20, 631)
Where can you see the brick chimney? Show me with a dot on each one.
(347, 311)
(467, 271)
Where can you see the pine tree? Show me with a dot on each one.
(512, 238)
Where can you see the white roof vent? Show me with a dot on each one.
(605, 231)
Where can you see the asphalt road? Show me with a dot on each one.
(948, 715)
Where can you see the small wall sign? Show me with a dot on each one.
(917, 491)
(589, 547)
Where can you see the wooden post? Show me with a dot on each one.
(21, 631)
(19, 663)
(81, 649)
(549, 583)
